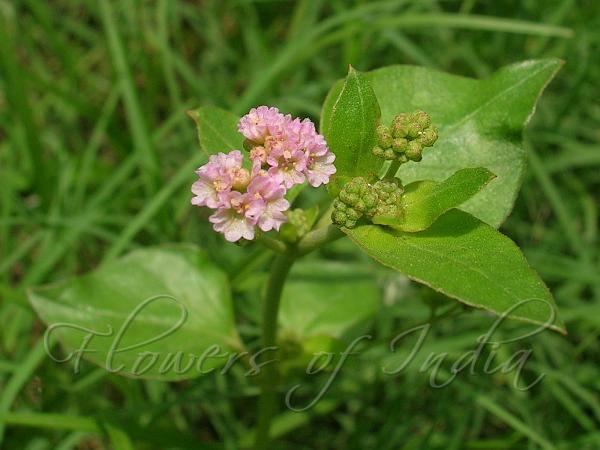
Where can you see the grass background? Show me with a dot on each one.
(97, 155)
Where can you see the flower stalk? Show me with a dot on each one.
(267, 403)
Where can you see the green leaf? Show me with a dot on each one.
(480, 124)
(424, 201)
(350, 116)
(327, 299)
(217, 130)
(468, 260)
(171, 302)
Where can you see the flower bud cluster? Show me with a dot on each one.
(389, 195)
(406, 138)
(300, 222)
(359, 198)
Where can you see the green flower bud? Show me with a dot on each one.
(349, 207)
(411, 133)
(414, 130)
(399, 145)
(389, 154)
(357, 185)
(377, 151)
(387, 186)
(298, 219)
(300, 222)
(353, 214)
(422, 119)
(339, 217)
(428, 137)
(370, 200)
(349, 198)
(360, 206)
(389, 192)
(400, 125)
(337, 204)
(345, 197)
(384, 136)
(342, 219)
(382, 198)
(414, 151)
(387, 210)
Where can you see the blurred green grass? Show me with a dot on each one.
(97, 155)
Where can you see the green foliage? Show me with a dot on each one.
(466, 259)
(458, 256)
(480, 124)
(424, 201)
(327, 299)
(217, 130)
(349, 127)
(145, 313)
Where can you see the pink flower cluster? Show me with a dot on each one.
(283, 152)
(288, 147)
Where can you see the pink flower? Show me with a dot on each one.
(320, 168)
(319, 160)
(258, 156)
(283, 152)
(291, 148)
(216, 178)
(232, 218)
(268, 202)
(261, 122)
(319, 164)
(289, 164)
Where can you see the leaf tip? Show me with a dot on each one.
(193, 113)
(562, 330)
(353, 73)
(491, 176)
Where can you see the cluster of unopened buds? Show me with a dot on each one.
(401, 142)
(283, 152)
(359, 198)
(405, 139)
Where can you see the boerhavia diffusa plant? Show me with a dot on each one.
(420, 168)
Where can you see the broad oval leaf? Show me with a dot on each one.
(348, 123)
(327, 299)
(480, 124)
(217, 130)
(424, 201)
(158, 313)
(468, 260)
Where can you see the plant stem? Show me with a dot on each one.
(280, 269)
(274, 244)
(393, 169)
(270, 376)
(317, 238)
